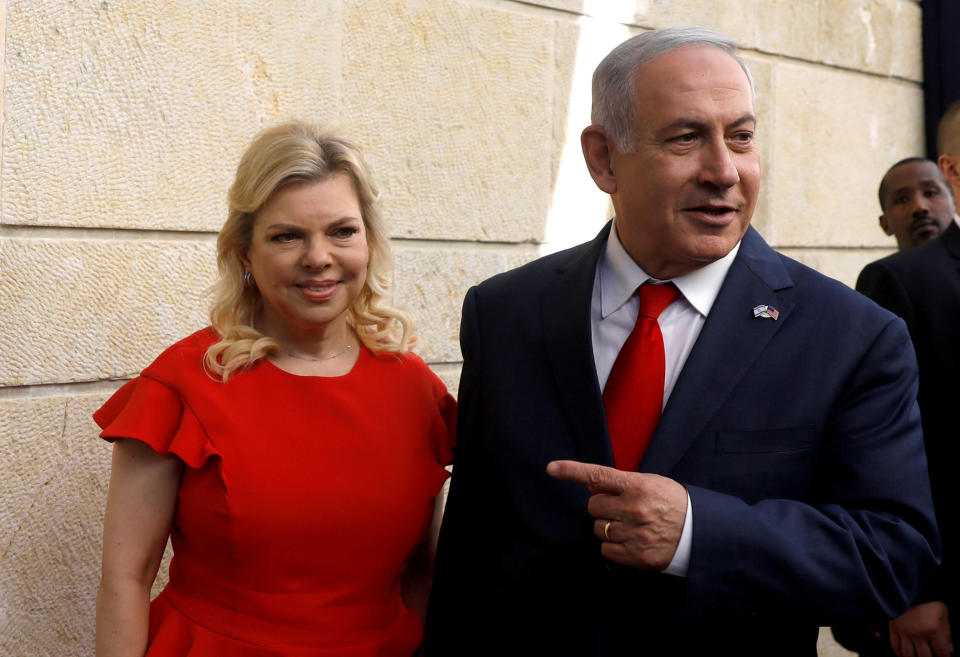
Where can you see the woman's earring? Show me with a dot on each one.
(248, 278)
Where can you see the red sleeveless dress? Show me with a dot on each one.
(301, 502)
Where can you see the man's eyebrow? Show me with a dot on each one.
(746, 118)
(929, 182)
(693, 124)
(683, 123)
(903, 189)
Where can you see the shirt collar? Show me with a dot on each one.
(620, 277)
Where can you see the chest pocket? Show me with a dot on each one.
(775, 463)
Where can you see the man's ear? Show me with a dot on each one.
(948, 166)
(599, 157)
(885, 224)
(951, 171)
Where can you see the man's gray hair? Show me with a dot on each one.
(614, 94)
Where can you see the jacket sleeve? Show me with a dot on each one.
(879, 283)
(867, 544)
(458, 590)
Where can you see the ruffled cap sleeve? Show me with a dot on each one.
(149, 411)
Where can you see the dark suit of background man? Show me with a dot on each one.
(785, 486)
(922, 285)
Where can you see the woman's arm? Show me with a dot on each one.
(419, 573)
(140, 504)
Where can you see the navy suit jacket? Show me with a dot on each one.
(798, 440)
(922, 285)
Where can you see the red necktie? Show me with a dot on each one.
(633, 396)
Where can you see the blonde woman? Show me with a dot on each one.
(292, 450)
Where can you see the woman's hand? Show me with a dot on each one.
(140, 504)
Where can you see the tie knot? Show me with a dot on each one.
(654, 298)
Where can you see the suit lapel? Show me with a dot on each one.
(729, 343)
(565, 312)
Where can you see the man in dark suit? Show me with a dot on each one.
(785, 484)
(922, 285)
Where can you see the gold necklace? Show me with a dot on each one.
(314, 359)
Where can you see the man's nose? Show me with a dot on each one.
(717, 166)
(921, 206)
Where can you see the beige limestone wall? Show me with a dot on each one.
(122, 122)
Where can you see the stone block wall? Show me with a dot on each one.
(122, 123)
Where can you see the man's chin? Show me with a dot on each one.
(713, 247)
(925, 234)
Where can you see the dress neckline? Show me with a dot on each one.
(362, 356)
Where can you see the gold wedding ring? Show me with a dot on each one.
(606, 530)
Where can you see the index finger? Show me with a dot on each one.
(598, 478)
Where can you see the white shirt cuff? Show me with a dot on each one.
(681, 558)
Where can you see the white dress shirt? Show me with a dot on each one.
(613, 314)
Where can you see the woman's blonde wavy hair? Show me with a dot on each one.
(285, 154)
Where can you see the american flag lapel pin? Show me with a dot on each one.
(766, 312)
